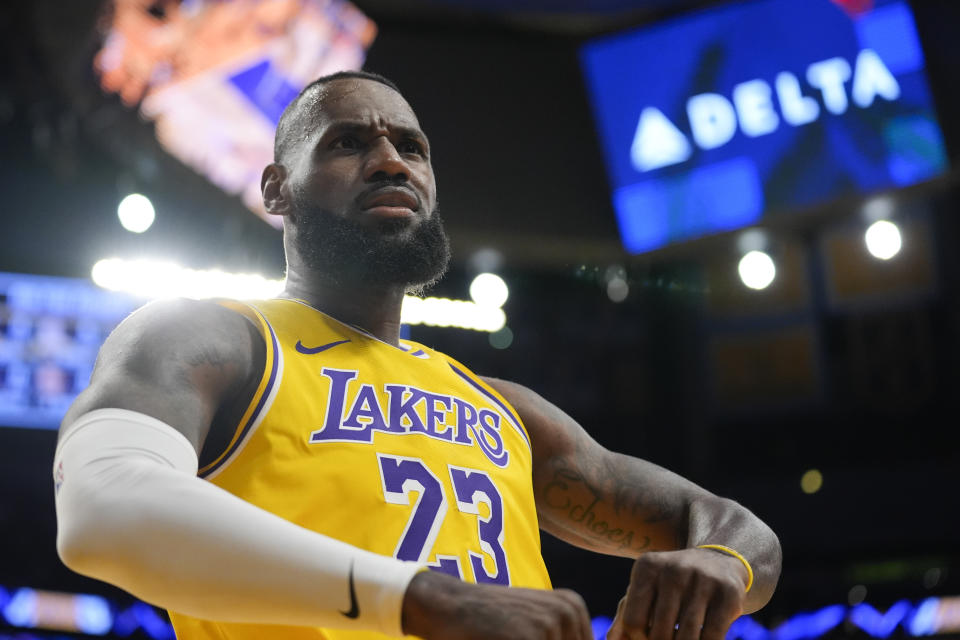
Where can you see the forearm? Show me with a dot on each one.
(131, 514)
(612, 503)
(620, 505)
(714, 520)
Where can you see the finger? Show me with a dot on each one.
(693, 611)
(586, 625)
(665, 610)
(715, 625)
(578, 619)
(637, 612)
(615, 632)
(722, 610)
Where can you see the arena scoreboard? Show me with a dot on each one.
(714, 120)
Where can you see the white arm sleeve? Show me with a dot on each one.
(131, 511)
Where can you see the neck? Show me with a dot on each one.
(375, 309)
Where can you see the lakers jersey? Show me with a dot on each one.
(401, 451)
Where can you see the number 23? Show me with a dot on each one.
(401, 476)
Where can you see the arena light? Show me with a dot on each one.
(753, 239)
(616, 280)
(95, 615)
(811, 481)
(151, 279)
(443, 312)
(878, 208)
(757, 270)
(501, 339)
(883, 239)
(136, 213)
(155, 279)
(73, 612)
(489, 290)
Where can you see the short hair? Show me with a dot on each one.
(281, 140)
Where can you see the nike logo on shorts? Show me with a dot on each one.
(312, 350)
(354, 607)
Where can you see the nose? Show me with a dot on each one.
(383, 162)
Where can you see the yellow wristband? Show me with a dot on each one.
(729, 551)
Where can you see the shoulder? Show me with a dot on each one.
(530, 404)
(176, 360)
(210, 317)
(169, 331)
(508, 387)
(533, 408)
(551, 430)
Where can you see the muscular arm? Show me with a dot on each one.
(177, 361)
(620, 505)
(132, 512)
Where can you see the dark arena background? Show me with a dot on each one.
(633, 171)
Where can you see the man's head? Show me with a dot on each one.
(353, 179)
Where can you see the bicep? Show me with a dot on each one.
(175, 361)
(595, 498)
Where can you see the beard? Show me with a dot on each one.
(389, 253)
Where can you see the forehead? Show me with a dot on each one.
(358, 100)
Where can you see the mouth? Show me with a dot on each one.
(390, 202)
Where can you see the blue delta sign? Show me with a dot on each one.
(710, 121)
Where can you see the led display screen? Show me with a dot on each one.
(713, 120)
(215, 76)
(50, 332)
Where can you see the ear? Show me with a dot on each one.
(273, 187)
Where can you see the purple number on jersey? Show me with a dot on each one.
(402, 476)
(472, 488)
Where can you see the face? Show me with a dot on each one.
(362, 190)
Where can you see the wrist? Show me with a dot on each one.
(423, 600)
(737, 568)
(744, 570)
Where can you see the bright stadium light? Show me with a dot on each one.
(489, 290)
(136, 213)
(883, 239)
(154, 279)
(442, 312)
(757, 270)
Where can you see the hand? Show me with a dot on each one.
(692, 594)
(438, 606)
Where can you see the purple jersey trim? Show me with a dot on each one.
(512, 417)
(419, 353)
(260, 403)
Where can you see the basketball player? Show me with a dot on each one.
(291, 468)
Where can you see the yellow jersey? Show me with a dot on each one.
(401, 451)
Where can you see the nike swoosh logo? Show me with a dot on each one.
(312, 350)
(354, 608)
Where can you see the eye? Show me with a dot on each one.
(348, 142)
(411, 146)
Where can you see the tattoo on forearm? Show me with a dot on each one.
(561, 494)
(656, 509)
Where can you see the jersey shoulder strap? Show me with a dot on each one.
(232, 423)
